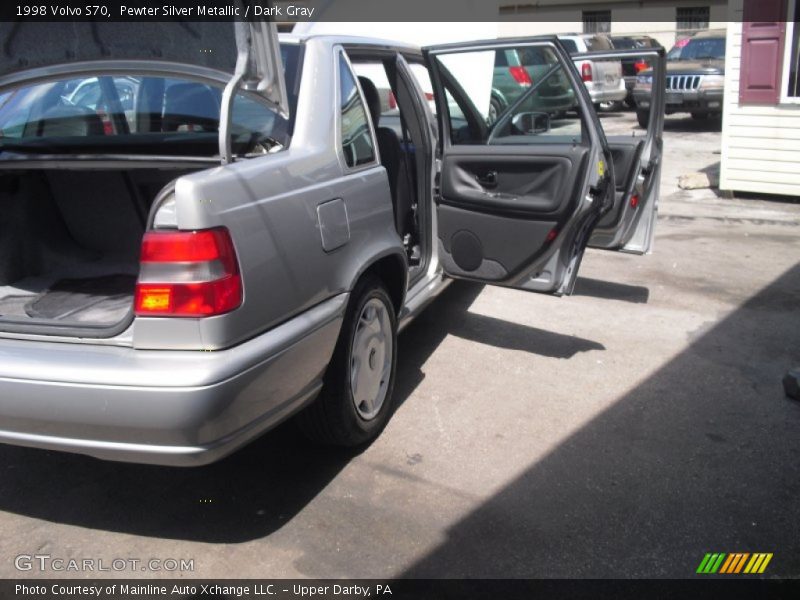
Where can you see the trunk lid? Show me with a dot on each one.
(36, 50)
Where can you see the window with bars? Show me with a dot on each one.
(597, 21)
(692, 18)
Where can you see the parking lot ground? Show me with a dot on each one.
(621, 432)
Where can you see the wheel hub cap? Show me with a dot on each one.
(371, 359)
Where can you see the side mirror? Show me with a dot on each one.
(531, 123)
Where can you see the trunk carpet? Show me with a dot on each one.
(97, 300)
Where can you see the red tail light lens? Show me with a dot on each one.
(634, 201)
(586, 71)
(640, 66)
(188, 274)
(521, 76)
(392, 100)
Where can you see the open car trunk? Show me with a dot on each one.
(69, 247)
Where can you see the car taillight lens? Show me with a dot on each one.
(188, 274)
(640, 66)
(586, 71)
(521, 76)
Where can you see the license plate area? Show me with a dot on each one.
(674, 98)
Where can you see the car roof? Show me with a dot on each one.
(586, 36)
(347, 40)
(710, 33)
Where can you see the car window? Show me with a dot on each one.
(598, 43)
(570, 45)
(703, 48)
(624, 43)
(152, 108)
(537, 55)
(357, 143)
(529, 104)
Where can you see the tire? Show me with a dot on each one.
(630, 102)
(642, 117)
(597, 106)
(352, 411)
(495, 108)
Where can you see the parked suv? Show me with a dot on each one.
(633, 65)
(250, 251)
(695, 79)
(603, 78)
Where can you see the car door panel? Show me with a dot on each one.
(630, 224)
(516, 206)
(624, 152)
(486, 246)
(512, 183)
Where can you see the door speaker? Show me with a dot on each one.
(467, 250)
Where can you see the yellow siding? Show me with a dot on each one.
(760, 144)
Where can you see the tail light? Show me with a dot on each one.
(188, 274)
(521, 76)
(108, 126)
(634, 201)
(586, 71)
(640, 66)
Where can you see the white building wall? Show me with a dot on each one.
(760, 144)
(633, 17)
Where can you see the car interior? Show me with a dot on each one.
(401, 142)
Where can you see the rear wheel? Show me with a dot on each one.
(643, 117)
(356, 400)
(495, 108)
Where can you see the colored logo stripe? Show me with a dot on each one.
(758, 563)
(711, 563)
(734, 563)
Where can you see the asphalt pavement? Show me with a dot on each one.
(621, 432)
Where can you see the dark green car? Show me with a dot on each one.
(518, 69)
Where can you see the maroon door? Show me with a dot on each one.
(763, 34)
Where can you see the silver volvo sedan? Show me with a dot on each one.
(206, 229)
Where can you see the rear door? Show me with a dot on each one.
(517, 200)
(630, 224)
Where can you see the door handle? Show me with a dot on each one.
(488, 179)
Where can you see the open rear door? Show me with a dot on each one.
(526, 173)
(630, 224)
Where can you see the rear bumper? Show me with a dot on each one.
(180, 408)
(603, 93)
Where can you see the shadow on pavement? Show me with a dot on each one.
(686, 123)
(254, 492)
(610, 290)
(703, 456)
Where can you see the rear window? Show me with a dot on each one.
(598, 43)
(570, 46)
(624, 43)
(536, 55)
(139, 114)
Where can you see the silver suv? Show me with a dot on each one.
(241, 240)
(602, 77)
